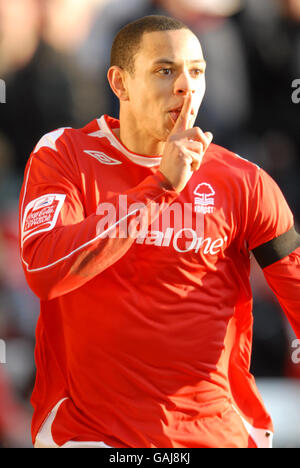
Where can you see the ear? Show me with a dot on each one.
(117, 79)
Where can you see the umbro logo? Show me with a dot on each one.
(102, 158)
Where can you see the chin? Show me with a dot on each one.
(161, 134)
(166, 130)
(165, 134)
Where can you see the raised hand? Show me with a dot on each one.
(185, 148)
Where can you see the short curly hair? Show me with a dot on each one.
(127, 42)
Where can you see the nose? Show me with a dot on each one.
(184, 84)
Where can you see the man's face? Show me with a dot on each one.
(168, 66)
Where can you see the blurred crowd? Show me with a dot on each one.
(53, 59)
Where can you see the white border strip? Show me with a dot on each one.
(262, 437)
(103, 234)
(44, 438)
(74, 251)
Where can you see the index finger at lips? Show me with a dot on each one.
(183, 120)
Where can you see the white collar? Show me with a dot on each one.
(105, 131)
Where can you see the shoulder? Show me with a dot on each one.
(49, 140)
(65, 135)
(228, 164)
(227, 158)
(55, 151)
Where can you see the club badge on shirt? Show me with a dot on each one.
(204, 198)
(41, 214)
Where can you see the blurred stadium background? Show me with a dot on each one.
(53, 59)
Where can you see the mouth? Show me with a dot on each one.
(174, 113)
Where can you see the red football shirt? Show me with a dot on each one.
(146, 326)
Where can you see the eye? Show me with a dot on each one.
(196, 72)
(165, 71)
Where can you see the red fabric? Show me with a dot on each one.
(146, 337)
(283, 278)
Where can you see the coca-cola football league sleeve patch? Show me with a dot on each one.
(41, 214)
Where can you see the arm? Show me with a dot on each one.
(61, 247)
(275, 244)
(280, 261)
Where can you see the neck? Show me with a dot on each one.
(136, 140)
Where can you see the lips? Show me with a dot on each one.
(174, 113)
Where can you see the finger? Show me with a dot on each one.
(195, 146)
(205, 138)
(192, 158)
(183, 121)
(196, 162)
(209, 136)
(192, 146)
(195, 134)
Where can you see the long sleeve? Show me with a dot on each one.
(283, 278)
(272, 238)
(61, 247)
(275, 245)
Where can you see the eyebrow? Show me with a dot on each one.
(171, 62)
